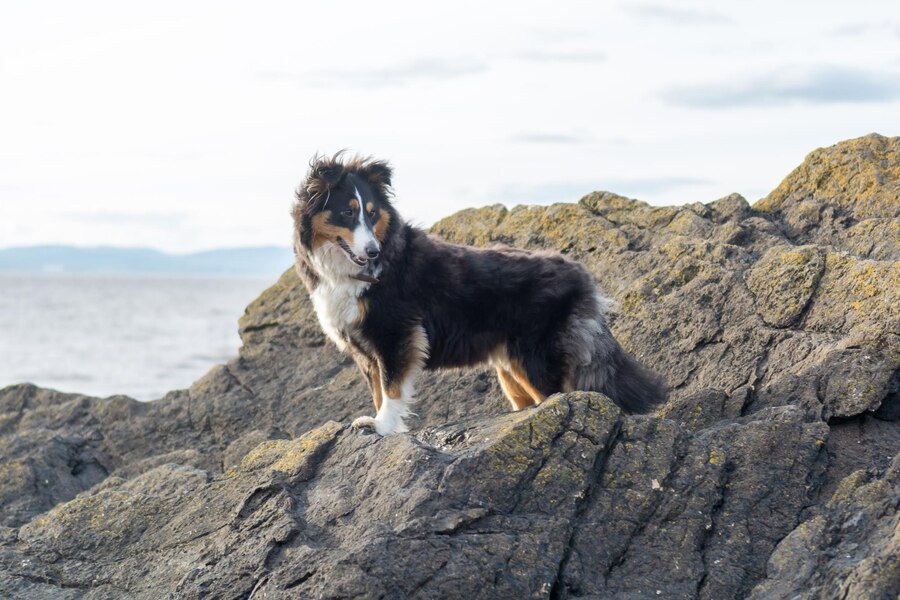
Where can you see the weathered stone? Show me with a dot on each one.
(839, 189)
(783, 282)
(775, 325)
(850, 550)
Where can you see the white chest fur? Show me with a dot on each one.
(337, 306)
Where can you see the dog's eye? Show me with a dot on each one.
(371, 214)
(348, 212)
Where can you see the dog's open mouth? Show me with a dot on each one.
(346, 248)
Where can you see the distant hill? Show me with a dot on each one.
(264, 260)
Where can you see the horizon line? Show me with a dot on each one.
(150, 248)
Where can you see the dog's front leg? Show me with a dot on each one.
(395, 400)
(398, 370)
(372, 372)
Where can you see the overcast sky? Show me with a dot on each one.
(187, 125)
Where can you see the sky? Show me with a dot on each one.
(184, 126)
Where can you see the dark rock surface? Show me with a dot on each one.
(848, 550)
(772, 472)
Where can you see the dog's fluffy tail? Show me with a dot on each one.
(629, 384)
(600, 364)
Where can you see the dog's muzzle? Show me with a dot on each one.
(346, 248)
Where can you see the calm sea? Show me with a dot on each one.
(109, 334)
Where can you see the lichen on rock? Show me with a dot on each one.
(770, 473)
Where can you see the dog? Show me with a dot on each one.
(400, 301)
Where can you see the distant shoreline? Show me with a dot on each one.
(9, 274)
(58, 260)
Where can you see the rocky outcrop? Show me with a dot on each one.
(848, 550)
(847, 196)
(770, 473)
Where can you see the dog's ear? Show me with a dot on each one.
(323, 175)
(379, 172)
(327, 171)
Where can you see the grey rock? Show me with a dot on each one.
(768, 474)
(850, 550)
(570, 498)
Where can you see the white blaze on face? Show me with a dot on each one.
(362, 235)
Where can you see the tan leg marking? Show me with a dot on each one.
(376, 388)
(522, 379)
(393, 391)
(518, 397)
(398, 394)
(415, 359)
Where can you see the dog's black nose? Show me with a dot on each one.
(372, 251)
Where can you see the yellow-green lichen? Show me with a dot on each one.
(289, 456)
(717, 457)
(783, 282)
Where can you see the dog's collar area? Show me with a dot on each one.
(363, 276)
(367, 274)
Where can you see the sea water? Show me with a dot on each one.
(119, 334)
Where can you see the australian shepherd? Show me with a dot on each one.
(400, 301)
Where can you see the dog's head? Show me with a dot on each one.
(343, 213)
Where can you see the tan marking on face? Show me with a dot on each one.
(354, 203)
(370, 206)
(517, 396)
(381, 227)
(323, 231)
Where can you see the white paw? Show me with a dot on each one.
(364, 423)
(381, 426)
(387, 427)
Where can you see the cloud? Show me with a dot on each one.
(426, 69)
(862, 28)
(547, 193)
(567, 44)
(571, 56)
(560, 34)
(144, 219)
(550, 138)
(679, 16)
(822, 85)
(853, 29)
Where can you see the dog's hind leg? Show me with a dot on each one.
(517, 396)
(526, 383)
